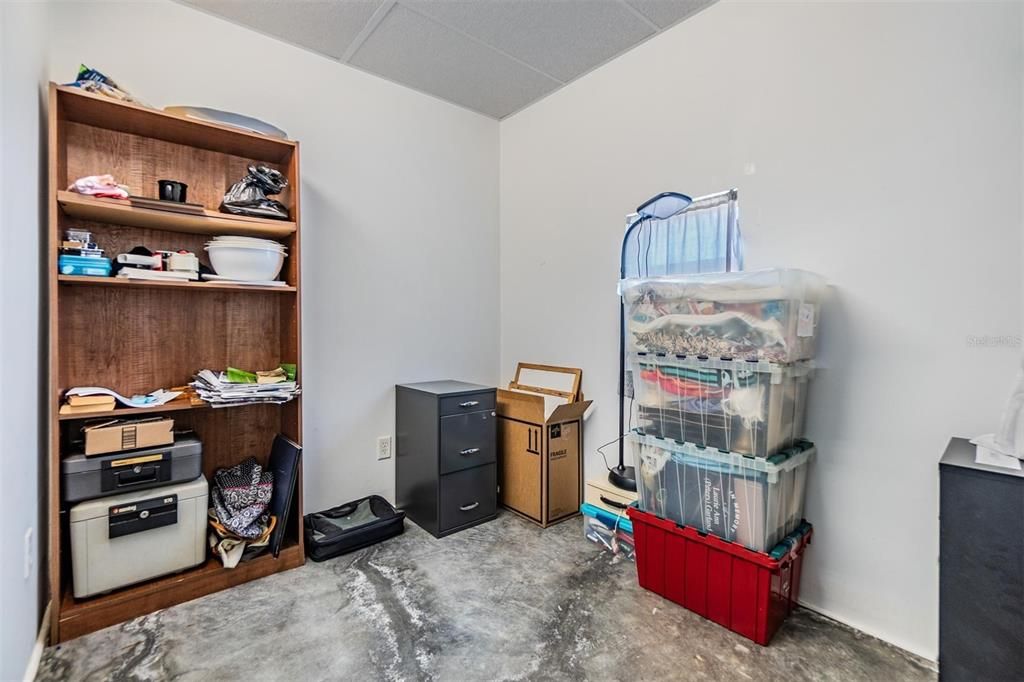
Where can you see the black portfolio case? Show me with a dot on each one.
(351, 526)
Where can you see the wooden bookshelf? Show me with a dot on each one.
(135, 336)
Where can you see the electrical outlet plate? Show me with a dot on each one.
(384, 447)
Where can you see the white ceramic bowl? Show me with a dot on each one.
(245, 263)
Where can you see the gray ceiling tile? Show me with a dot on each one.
(665, 13)
(563, 38)
(324, 26)
(415, 51)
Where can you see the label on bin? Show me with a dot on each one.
(805, 320)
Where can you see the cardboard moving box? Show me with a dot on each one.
(115, 435)
(540, 441)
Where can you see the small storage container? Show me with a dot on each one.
(751, 408)
(83, 265)
(757, 315)
(747, 592)
(85, 477)
(599, 492)
(614, 532)
(751, 501)
(125, 539)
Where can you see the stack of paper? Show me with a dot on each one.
(154, 399)
(214, 388)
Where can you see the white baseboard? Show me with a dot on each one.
(37, 651)
(929, 660)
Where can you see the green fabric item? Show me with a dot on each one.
(240, 376)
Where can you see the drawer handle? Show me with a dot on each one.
(469, 451)
(469, 507)
(470, 403)
(613, 503)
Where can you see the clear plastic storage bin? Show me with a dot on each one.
(750, 501)
(751, 408)
(613, 532)
(758, 315)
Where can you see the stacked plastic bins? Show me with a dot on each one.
(719, 367)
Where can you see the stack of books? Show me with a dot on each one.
(77, 404)
(219, 391)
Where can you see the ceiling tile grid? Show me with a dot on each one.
(666, 13)
(414, 50)
(561, 38)
(323, 26)
(492, 56)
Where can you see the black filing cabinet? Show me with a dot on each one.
(446, 471)
(981, 568)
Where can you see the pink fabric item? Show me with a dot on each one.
(99, 186)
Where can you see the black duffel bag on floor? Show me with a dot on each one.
(351, 526)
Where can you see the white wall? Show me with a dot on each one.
(22, 34)
(887, 142)
(399, 214)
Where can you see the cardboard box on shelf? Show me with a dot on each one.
(540, 443)
(116, 435)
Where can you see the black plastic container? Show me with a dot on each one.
(172, 190)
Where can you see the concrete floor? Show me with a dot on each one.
(502, 601)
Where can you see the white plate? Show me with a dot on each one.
(228, 280)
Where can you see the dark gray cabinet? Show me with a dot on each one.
(981, 568)
(446, 472)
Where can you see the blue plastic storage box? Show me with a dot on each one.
(83, 265)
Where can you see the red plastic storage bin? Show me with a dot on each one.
(748, 592)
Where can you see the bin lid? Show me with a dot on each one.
(689, 453)
(100, 508)
(749, 286)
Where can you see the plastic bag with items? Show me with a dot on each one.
(1009, 439)
(1005, 447)
(248, 196)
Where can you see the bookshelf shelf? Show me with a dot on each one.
(122, 212)
(87, 280)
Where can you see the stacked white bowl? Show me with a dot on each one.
(247, 259)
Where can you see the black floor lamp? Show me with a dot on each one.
(660, 207)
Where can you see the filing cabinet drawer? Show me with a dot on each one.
(468, 495)
(468, 440)
(470, 402)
